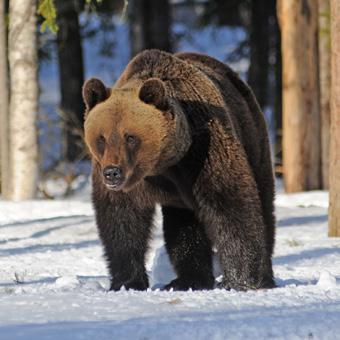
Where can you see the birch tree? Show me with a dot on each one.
(334, 171)
(301, 120)
(4, 161)
(22, 48)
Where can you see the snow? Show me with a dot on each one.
(327, 281)
(53, 281)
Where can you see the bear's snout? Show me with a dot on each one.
(113, 177)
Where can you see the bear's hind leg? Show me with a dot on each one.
(189, 250)
(229, 205)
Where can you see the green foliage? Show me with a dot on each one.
(47, 10)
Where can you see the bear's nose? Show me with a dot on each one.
(112, 174)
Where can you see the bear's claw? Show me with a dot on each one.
(137, 284)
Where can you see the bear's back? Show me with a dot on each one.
(246, 116)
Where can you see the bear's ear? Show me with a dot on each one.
(153, 92)
(94, 92)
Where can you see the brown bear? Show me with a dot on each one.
(184, 131)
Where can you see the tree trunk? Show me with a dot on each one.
(136, 28)
(22, 48)
(278, 92)
(71, 77)
(301, 120)
(259, 50)
(4, 145)
(227, 12)
(325, 84)
(149, 25)
(334, 170)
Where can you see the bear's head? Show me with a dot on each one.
(134, 131)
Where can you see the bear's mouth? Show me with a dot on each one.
(114, 177)
(115, 187)
(116, 184)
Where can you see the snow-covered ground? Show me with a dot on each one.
(53, 281)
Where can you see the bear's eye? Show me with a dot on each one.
(100, 144)
(131, 140)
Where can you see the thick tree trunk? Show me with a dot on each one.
(22, 48)
(334, 170)
(71, 77)
(149, 25)
(325, 84)
(4, 120)
(301, 120)
(259, 50)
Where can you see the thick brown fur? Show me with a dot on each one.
(188, 134)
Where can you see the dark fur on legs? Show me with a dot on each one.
(232, 213)
(124, 229)
(189, 250)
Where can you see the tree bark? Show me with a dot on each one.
(259, 50)
(150, 22)
(334, 170)
(22, 48)
(136, 29)
(4, 144)
(301, 120)
(71, 77)
(325, 85)
(278, 91)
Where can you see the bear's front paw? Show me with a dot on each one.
(194, 284)
(135, 284)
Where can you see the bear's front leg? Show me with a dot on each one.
(230, 208)
(124, 229)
